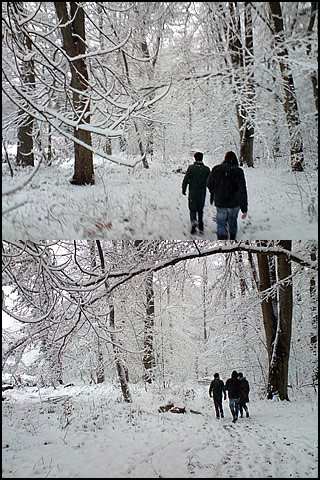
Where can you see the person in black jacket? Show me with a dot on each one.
(196, 177)
(216, 390)
(244, 396)
(228, 191)
(234, 387)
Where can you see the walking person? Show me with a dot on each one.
(244, 396)
(233, 386)
(196, 177)
(216, 390)
(228, 191)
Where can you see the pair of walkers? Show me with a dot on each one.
(238, 389)
(227, 186)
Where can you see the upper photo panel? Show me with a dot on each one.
(160, 120)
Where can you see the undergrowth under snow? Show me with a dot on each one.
(89, 432)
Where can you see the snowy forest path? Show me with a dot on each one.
(89, 433)
(148, 204)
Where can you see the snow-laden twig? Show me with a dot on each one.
(25, 182)
(30, 320)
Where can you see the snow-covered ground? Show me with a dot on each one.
(89, 432)
(128, 203)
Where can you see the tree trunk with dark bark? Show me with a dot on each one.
(242, 61)
(269, 316)
(277, 320)
(290, 100)
(148, 357)
(121, 367)
(279, 364)
(73, 34)
(25, 154)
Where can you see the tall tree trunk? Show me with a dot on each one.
(242, 62)
(73, 33)
(204, 298)
(148, 357)
(314, 75)
(246, 145)
(122, 369)
(100, 366)
(279, 364)
(290, 99)
(314, 318)
(277, 321)
(269, 316)
(25, 130)
(142, 150)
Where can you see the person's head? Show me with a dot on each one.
(198, 156)
(216, 375)
(234, 374)
(231, 159)
(240, 375)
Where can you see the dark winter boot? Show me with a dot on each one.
(222, 237)
(193, 228)
(247, 413)
(232, 236)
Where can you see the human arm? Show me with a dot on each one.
(186, 181)
(243, 195)
(210, 389)
(210, 186)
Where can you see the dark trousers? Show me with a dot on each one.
(243, 406)
(196, 212)
(218, 407)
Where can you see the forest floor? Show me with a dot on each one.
(89, 432)
(128, 203)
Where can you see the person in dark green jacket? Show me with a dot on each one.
(196, 177)
(216, 390)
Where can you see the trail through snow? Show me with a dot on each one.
(148, 204)
(88, 432)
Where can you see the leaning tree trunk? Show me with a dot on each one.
(73, 34)
(290, 100)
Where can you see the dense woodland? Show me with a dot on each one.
(131, 81)
(161, 312)
(104, 105)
